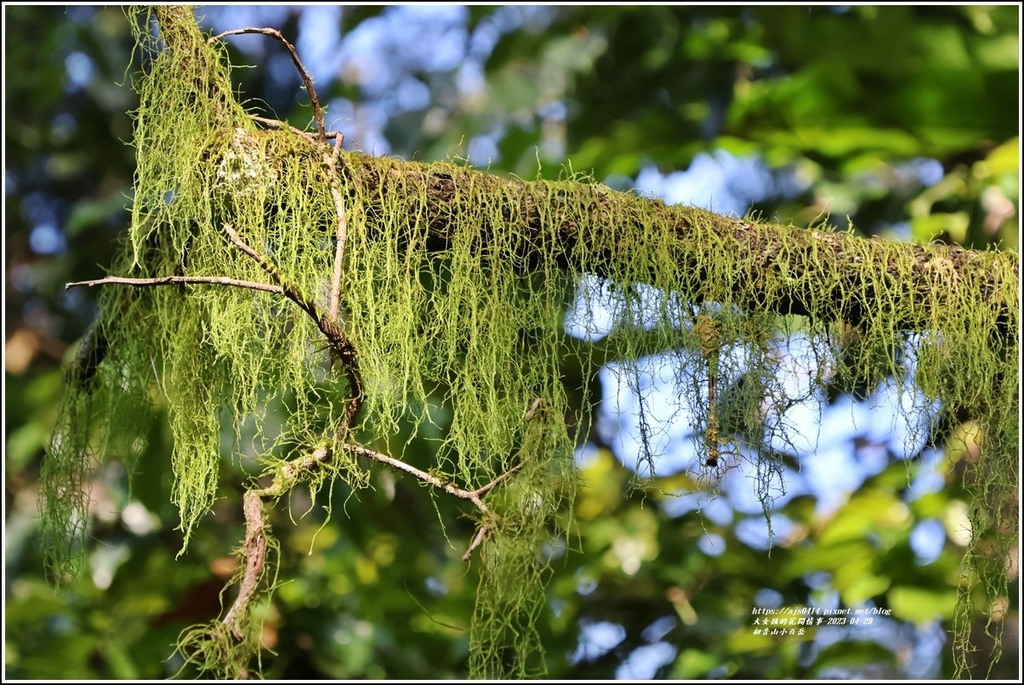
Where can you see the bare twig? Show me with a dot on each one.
(237, 241)
(484, 489)
(274, 123)
(430, 479)
(481, 533)
(171, 280)
(274, 33)
(332, 162)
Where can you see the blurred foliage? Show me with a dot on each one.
(900, 120)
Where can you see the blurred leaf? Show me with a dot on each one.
(692, 664)
(87, 213)
(921, 605)
(851, 653)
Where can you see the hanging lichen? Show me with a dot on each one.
(265, 262)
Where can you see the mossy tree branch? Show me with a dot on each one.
(812, 273)
(902, 283)
(453, 279)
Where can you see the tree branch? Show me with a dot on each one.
(902, 283)
(253, 553)
(473, 496)
(254, 557)
(171, 280)
(274, 33)
(274, 123)
(342, 233)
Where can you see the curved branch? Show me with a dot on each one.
(306, 80)
(254, 556)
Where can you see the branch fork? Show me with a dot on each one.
(474, 496)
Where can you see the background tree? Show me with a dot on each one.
(639, 575)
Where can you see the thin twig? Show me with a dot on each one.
(274, 33)
(484, 489)
(481, 533)
(170, 280)
(339, 207)
(471, 495)
(297, 131)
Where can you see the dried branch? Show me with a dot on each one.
(172, 280)
(430, 479)
(274, 123)
(332, 162)
(274, 33)
(481, 533)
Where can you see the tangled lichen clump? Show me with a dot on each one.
(369, 290)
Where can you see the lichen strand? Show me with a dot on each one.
(105, 412)
(213, 352)
(529, 515)
(474, 325)
(454, 293)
